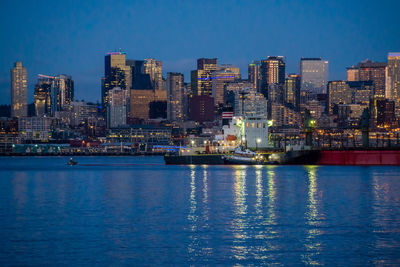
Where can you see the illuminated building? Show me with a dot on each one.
(153, 68)
(283, 116)
(116, 74)
(175, 96)
(238, 86)
(315, 108)
(220, 79)
(376, 72)
(275, 93)
(353, 74)
(338, 93)
(116, 107)
(385, 112)
(19, 91)
(393, 79)
(272, 71)
(140, 103)
(314, 74)
(81, 112)
(292, 91)
(362, 91)
(53, 93)
(251, 104)
(35, 128)
(254, 74)
(201, 82)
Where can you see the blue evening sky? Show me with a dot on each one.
(71, 37)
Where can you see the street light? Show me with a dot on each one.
(258, 140)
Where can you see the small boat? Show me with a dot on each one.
(244, 157)
(72, 162)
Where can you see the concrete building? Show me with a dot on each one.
(338, 93)
(116, 108)
(35, 128)
(201, 108)
(175, 97)
(201, 79)
(220, 79)
(283, 116)
(251, 104)
(375, 72)
(19, 87)
(81, 112)
(353, 74)
(254, 75)
(314, 74)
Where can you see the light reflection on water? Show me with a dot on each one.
(200, 215)
(312, 244)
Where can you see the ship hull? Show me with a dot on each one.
(343, 157)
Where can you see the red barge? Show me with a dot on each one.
(363, 157)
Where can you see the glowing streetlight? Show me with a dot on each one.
(258, 140)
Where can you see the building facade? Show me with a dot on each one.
(201, 79)
(272, 71)
(175, 97)
(375, 72)
(393, 80)
(19, 86)
(254, 75)
(314, 74)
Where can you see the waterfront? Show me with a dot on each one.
(136, 210)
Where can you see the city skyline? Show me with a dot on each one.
(74, 44)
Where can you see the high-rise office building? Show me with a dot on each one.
(116, 74)
(314, 75)
(65, 90)
(201, 79)
(220, 78)
(292, 91)
(338, 93)
(116, 107)
(251, 104)
(393, 78)
(376, 72)
(153, 68)
(254, 74)
(175, 96)
(353, 74)
(19, 85)
(272, 71)
(53, 93)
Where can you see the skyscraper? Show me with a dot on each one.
(175, 96)
(376, 72)
(220, 78)
(19, 91)
(254, 74)
(272, 71)
(153, 68)
(393, 78)
(339, 93)
(116, 107)
(201, 82)
(292, 91)
(353, 74)
(65, 90)
(116, 74)
(314, 75)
